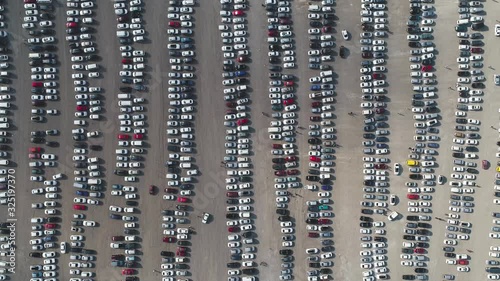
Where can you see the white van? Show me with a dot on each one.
(124, 96)
(325, 169)
(5, 89)
(4, 104)
(80, 122)
(94, 181)
(327, 73)
(4, 74)
(245, 214)
(314, 8)
(93, 66)
(243, 128)
(185, 165)
(244, 152)
(35, 55)
(122, 34)
(272, 40)
(124, 103)
(4, 125)
(4, 162)
(186, 159)
(462, 21)
(137, 143)
(274, 130)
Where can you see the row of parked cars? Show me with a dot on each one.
(88, 171)
(376, 200)
(421, 159)
(321, 133)
(37, 22)
(238, 145)
(470, 83)
(181, 171)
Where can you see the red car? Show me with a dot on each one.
(36, 84)
(381, 166)
(285, 21)
(312, 234)
(180, 252)
(412, 196)
(174, 23)
(242, 122)
(231, 111)
(419, 250)
(82, 108)
(476, 50)
(324, 221)
(79, 207)
(289, 83)
(168, 239)
(238, 13)
(35, 149)
(152, 189)
(34, 156)
(277, 146)
(379, 110)
(485, 164)
(366, 55)
(231, 104)
(426, 68)
(288, 101)
(463, 262)
(292, 172)
(326, 29)
(117, 238)
(315, 118)
(171, 190)
(71, 24)
(182, 200)
(291, 158)
(127, 271)
(50, 225)
(123, 137)
(232, 194)
(280, 173)
(138, 136)
(233, 229)
(127, 61)
(314, 158)
(316, 104)
(242, 59)
(272, 33)
(378, 76)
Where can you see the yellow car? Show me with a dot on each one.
(498, 168)
(412, 163)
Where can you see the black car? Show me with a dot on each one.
(450, 255)
(409, 237)
(247, 234)
(422, 245)
(232, 201)
(364, 218)
(312, 178)
(278, 160)
(369, 183)
(477, 85)
(314, 141)
(427, 62)
(420, 270)
(461, 120)
(406, 250)
(365, 224)
(367, 211)
(275, 68)
(253, 270)
(415, 176)
(284, 218)
(181, 266)
(315, 24)
(408, 277)
(283, 212)
(95, 147)
(166, 254)
(380, 239)
(412, 218)
(183, 243)
(182, 207)
(312, 221)
(423, 232)
(313, 172)
(368, 136)
(35, 255)
(120, 172)
(314, 265)
(286, 252)
(448, 249)
(232, 216)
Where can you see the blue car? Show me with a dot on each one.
(36, 274)
(49, 238)
(82, 193)
(382, 145)
(240, 73)
(185, 40)
(433, 145)
(315, 87)
(326, 187)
